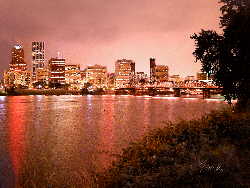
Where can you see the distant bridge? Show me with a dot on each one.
(176, 91)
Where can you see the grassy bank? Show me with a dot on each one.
(210, 152)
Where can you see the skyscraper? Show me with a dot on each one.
(161, 73)
(73, 76)
(124, 73)
(38, 58)
(17, 75)
(152, 69)
(17, 59)
(56, 71)
(97, 76)
(158, 73)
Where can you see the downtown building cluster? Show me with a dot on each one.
(56, 73)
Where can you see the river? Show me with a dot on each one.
(68, 138)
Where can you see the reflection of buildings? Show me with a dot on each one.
(17, 75)
(73, 76)
(96, 75)
(16, 122)
(107, 135)
(124, 73)
(158, 73)
(57, 71)
(38, 61)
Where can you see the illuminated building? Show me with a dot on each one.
(56, 71)
(17, 75)
(42, 75)
(17, 79)
(158, 73)
(96, 75)
(202, 76)
(211, 77)
(175, 78)
(38, 60)
(161, 73)
(152, 69)
(141, 78)
(17, 59)
(83, 76)
(190, 78)
(111, 80)
(73, 76)
(124, 73)
(140, 75)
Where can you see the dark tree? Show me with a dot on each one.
(227, 55)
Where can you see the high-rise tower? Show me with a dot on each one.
(124, 73)
(57, 71)
(17, 59)
(17, 75)
(152, 69)
(38, 58)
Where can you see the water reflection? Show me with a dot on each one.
(17, 115)
(62, 140)
(107, 135)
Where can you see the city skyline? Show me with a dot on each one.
(95, 32)
(57, 73)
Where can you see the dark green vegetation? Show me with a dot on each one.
(227, 55)
(210, 152)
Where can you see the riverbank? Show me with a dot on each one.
(49, 92)
(211, 152)
(24, 92)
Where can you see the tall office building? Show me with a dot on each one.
(124, 73)
(73, 76)
(38, 59)
(17, 59)
(17, 75)
(57, 71)
(152, 69)
(97, 76)
(158, 73)
(161, 73)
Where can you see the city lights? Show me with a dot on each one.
(56, 73)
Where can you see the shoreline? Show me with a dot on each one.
(58, 92)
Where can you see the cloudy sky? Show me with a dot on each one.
(91, 32)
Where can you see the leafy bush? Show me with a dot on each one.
(210, 152)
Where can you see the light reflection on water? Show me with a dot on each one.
(65, 135)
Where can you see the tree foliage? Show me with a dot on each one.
(227, 55)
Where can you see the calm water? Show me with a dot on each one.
(70, 137)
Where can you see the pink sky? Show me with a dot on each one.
(91, 32)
